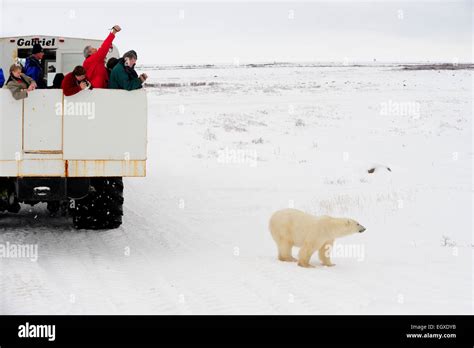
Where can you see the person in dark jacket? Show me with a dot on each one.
(57, 81)
(111, 63)
(2, 78)
(75, 81)
(19, 84)
(124, 76)
(33, 67)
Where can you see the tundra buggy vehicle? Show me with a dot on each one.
(69, 152)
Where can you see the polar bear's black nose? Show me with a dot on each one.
(362, 229)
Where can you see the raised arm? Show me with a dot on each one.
(104, 48)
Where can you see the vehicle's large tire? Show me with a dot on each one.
(53, 208)
(103, 206)
(58, 208)
(15, 207)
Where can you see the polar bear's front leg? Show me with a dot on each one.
(324, 253)
(304, 255)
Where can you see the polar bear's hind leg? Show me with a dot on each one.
(284, 251)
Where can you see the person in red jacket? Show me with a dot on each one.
(95, 61)
(75, 81)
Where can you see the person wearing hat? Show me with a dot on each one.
(124, 76)
(33, 67)
(95, 61)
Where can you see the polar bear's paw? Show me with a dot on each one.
(305, 265)
(329, 264)
(287, 258)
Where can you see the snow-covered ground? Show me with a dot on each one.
(224, 157)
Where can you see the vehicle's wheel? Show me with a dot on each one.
(14, 207)
(53, 207)
(103, 206)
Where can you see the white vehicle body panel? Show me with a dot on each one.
(10, 146)
(41, 125)
(109, 142)
(111, 126)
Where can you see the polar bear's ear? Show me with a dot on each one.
(348, 222)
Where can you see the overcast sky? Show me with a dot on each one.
(165, 32)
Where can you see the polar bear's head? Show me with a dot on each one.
(351, 226)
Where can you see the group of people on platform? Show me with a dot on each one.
(116, 73)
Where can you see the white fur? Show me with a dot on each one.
(292, 227)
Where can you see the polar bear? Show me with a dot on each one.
(292, 227)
